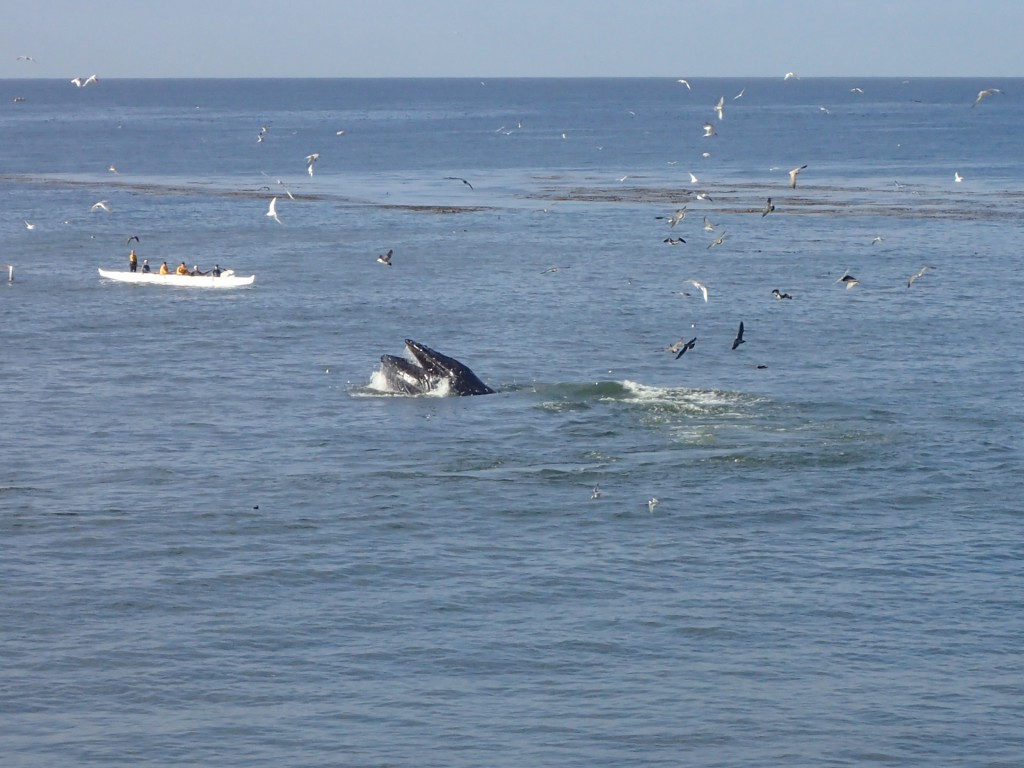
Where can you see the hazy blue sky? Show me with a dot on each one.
(524, 38)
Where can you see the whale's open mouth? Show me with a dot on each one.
(429, 372)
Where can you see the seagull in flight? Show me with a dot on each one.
(24, 58)
(651, 504)
(849, 279)
(719, 241)
(693, 178)
(708, 226)
(133, 237)
(684, 82)
(100, 206)
(957, 177)
(674, 240)
(80, 83)
(709, 130)
(791, 76)
(740, 94)
(28, 225)
(856, 89)
(385, 258)
(720, 107)
(739, 337)
(792, 176)
(768, 208)
(459, 178)
(676, 217)
(704, 196)
(680, 347)
(272, 210)
(597, 492)
(983, 94)
(912, 278)
(310, 159)
(700, 287)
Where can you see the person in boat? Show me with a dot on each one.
(216, 270)
(164, 270)
(133, 261)
(182, 269)
(196, 271)
(145, 266)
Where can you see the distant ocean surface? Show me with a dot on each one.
(222, 545)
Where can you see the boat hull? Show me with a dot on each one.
(227, 279)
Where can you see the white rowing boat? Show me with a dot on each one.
(227, 279)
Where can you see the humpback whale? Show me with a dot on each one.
(429, 371)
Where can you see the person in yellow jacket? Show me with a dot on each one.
(164, 270)
(133, 261)
(182, 269)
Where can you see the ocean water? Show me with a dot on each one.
(221, 545)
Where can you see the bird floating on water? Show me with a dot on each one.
(779, 295)
(596, 493)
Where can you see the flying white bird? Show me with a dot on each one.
(984, 94)
(709, 130)
(693, 179)
(700, 287)
(272, 210)
(912, 278)
(684, 82)
(720, 107)
(957, 177)
(29, 225)
(791, 76)
(310, 159)
(100, 206)
(792, 176)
